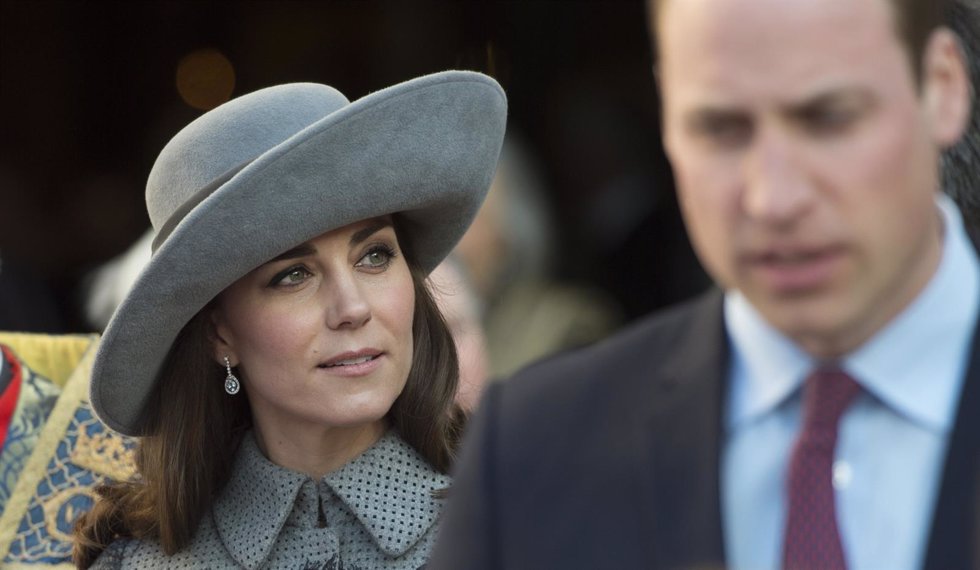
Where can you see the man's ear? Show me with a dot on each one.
(221, 341)
(946, 89)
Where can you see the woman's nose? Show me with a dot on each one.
(347, 306)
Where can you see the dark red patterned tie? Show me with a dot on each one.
(812, 540)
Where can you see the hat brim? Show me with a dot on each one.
(425, 150)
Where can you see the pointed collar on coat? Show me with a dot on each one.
(388, 489)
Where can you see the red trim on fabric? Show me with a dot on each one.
(8, 400)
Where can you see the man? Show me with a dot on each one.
(822, 410)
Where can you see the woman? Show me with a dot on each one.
(280, 357)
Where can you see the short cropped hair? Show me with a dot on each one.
(915, 20)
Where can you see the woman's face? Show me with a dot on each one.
(322, 334)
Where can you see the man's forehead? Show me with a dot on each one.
(793, 48)
(765, 22)
(656, 8)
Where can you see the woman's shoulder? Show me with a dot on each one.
(117, 554)
(204, 551)
(132, 553)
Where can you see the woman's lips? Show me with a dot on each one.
(353, 363)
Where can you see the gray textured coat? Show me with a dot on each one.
(375, 512)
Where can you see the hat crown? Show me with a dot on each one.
(230, 136)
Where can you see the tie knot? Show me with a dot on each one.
(827, 393)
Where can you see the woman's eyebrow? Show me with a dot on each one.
(307, 249)
(301, 250)
(363, 234)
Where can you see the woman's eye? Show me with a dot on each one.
(377, 258)
(291, 276)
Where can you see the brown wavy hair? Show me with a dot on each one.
(195, 430)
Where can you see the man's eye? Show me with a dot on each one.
(829, 121)
(724, 131)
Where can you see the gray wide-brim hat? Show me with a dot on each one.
(270, 170)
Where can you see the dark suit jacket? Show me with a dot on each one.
(609, 458)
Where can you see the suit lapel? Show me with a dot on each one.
(955, 538)
(678, 438)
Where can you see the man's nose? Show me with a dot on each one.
(778, 189)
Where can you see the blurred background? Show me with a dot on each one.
(90, 91)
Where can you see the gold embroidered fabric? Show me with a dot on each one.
(74, 453)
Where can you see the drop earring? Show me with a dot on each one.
(232, 385)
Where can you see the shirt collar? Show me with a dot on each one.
(260, 495)
(915, 365)
(766, 366)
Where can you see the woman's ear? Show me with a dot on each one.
(946, 89)
(220, 338)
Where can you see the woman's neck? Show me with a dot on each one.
(316, 450)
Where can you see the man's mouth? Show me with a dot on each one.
(797, 270)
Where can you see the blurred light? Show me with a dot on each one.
(205, 79)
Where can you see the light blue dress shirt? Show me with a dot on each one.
(892, 441)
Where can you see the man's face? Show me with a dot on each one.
(805, 158)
